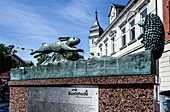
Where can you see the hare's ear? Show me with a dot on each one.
(64, 38)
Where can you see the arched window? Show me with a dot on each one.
(92, 41)
(132, 30)
(113, 45)
(123, 37)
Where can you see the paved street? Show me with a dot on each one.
(3, 106)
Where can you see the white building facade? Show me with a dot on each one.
(164, 61)
(122, 36)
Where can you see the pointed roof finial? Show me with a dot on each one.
(96, 14)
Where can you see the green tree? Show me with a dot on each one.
(42, 58)
(72, 56)
(6, 62)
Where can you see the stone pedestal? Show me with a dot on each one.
(116, 87)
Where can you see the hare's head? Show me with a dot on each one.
(70, 41)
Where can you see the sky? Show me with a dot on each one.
(29, 23)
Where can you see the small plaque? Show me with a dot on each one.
(77, 98)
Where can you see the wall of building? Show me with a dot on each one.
(164, 61)
(130, 13)
(164, 74)
(166, 18)
(112, 14)
(154, 6)
(160, 8)
(164, 69)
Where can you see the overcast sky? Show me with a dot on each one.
(29, 23)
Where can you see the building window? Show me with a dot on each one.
(113, 45)
(123, 37)
(101, 52)
(92, 41)
(106, 49)
(132, 30)
(143, 13)
(113, 15)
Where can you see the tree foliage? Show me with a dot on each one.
(42, 58)
(6, 62)
(72, 56)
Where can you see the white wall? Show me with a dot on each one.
(160, 9)
(164, 69)
(113, 11)
(164, 61)
(117, 26)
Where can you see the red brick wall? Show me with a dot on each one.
(166, 17)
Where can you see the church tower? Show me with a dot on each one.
(95, 32)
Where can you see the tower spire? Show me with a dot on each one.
(96, 15)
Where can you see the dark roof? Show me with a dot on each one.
(20, 59)
(96, 23)
(118, 5)
(29, 62)
(96, 26)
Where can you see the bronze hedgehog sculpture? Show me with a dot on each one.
(153, 34)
